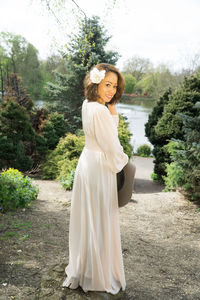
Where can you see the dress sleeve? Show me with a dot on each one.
(106, 134)
(116, 119)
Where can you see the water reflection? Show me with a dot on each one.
(137, 115)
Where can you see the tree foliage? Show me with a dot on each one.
(26, 133)
(137, 67)
(20, 57)
(165, 122)
(16, 190)
(150, 80)
(20, 145)
(130, 83)
(53, 129)
(156, 82)
(86, 49)
(184, 170)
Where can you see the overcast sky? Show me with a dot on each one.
(165, 31)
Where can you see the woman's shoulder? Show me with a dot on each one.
(95, 105)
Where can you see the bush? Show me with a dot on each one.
(61, 163)
(130, 83)
(174, 178)
(165, 122)
(144, 150)
(21, 146)
(154, 177)
(16, 135)
(16, 190)
(54, 128)
(160, 155)
(184, 170)
(125, 135)
(67, 172)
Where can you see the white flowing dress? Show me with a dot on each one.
(95, 254)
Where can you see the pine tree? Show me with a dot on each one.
(86, 49)
(20, 145)
(165, 123)
(185, 156)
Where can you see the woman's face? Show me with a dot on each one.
(107, 88)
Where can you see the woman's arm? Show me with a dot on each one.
(106, 134)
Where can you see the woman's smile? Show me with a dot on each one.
(109, 96)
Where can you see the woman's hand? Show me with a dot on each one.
(112, 109)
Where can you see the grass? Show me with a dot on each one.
(50, 243)
(24, 237)
(8, 235)
(21, 262)
(17, 225)
(47, 225)
(38, 255)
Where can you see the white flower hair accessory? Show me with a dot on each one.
(96, 76)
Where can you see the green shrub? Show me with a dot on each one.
(16, 190)
(54, 128)
(144, 150)
(61, 163)
(174, 178)
(165, 123)
(125, 135)
(154, 176)
(184, 171)
(16, 135)
(130, 83)
(20, 146)
(67, 171)
(22, 162)
(160, 155)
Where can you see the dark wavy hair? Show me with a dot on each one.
(91, 89)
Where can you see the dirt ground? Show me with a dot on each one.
(160, 240)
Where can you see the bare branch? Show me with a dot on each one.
(79, 8)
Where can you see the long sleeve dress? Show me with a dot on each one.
(95, 255)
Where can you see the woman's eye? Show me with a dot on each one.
(107, 84)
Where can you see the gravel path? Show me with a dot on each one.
(160, 239)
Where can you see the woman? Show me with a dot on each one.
(95, 255)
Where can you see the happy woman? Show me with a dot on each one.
(95, 255)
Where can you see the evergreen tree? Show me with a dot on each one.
(15, 132)
(184, 171)
(86, 49)
(20, 146)
(158, 142)
(15, 90)
(165, 122)
(53, 129)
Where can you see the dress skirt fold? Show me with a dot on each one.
(95, 255)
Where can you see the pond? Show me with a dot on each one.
(137, 115)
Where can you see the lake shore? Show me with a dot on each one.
(126, 99)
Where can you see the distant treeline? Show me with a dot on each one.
(143, 79)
